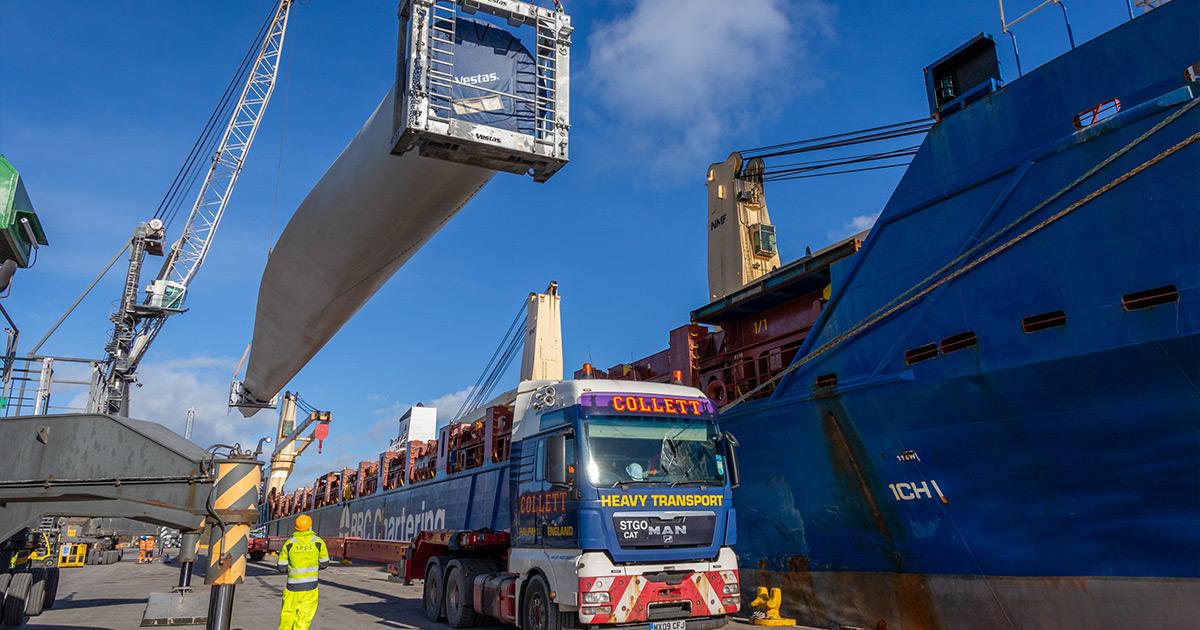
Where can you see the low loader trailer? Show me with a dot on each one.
(563, 504)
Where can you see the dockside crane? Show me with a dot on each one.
(137, 322)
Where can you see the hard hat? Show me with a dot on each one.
(303, 523)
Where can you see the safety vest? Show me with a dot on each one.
(301, 557)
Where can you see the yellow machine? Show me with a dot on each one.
(72, 554)
(43, 555)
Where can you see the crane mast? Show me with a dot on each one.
(135, 325)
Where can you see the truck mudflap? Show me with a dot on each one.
(664, 595)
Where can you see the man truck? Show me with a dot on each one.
(563, 504)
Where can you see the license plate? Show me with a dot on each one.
(674, 624)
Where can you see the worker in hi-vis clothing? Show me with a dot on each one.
(301, 557)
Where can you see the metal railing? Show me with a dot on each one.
(35, 385)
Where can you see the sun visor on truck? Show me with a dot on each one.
(495, 77)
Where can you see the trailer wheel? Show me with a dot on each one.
(433, 595)
(37, 593)
(52, 576)
(4, 578)
(538, 611)
(460, 605)
(15, 598)
(257, 556)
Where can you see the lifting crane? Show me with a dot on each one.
(136, 324)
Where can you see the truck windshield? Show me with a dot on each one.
(654, 450)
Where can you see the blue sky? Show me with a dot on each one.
(101, 102)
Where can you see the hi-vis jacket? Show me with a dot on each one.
(301, 557)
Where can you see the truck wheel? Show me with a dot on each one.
(460, 600)
(257, 556)
(15, 598)
(538, 611)
(112, 556)
(37, 593)
(435, 610)
(4, 578)
(52, 576)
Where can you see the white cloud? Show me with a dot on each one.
(201, 381)
(449, 404)
(697, 70)
(855, 225)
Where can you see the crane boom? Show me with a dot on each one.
(196, 239)
(136, 325)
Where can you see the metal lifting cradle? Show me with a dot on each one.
(452, 108)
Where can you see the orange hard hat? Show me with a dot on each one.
(303, 523)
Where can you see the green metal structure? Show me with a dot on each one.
(20, 229)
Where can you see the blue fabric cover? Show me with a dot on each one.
(487, 56)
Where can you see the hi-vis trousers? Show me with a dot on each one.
(299, 608)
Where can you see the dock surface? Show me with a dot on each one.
(113, 597)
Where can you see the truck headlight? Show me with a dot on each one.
(730, 589)
(599, 597)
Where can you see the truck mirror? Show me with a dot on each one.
(556, 459)
(731, 461)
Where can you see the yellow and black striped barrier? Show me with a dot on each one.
(235, 500)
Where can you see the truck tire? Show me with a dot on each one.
(460, 600)
(433, 595)
(15, 598)
(112, 556)
(257, 556)
(4, 578)
(36, 601)
(52, 576)
(537, 611)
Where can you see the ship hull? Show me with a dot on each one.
(1048, 510)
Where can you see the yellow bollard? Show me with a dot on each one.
(766, 608)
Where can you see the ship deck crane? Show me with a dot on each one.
(290, 441)
(137, 323)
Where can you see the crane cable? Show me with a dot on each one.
(62, 318)
(497, 365)
(915, 293)
(846, 138)
(798, 170)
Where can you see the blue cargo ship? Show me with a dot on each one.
(995, 420)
